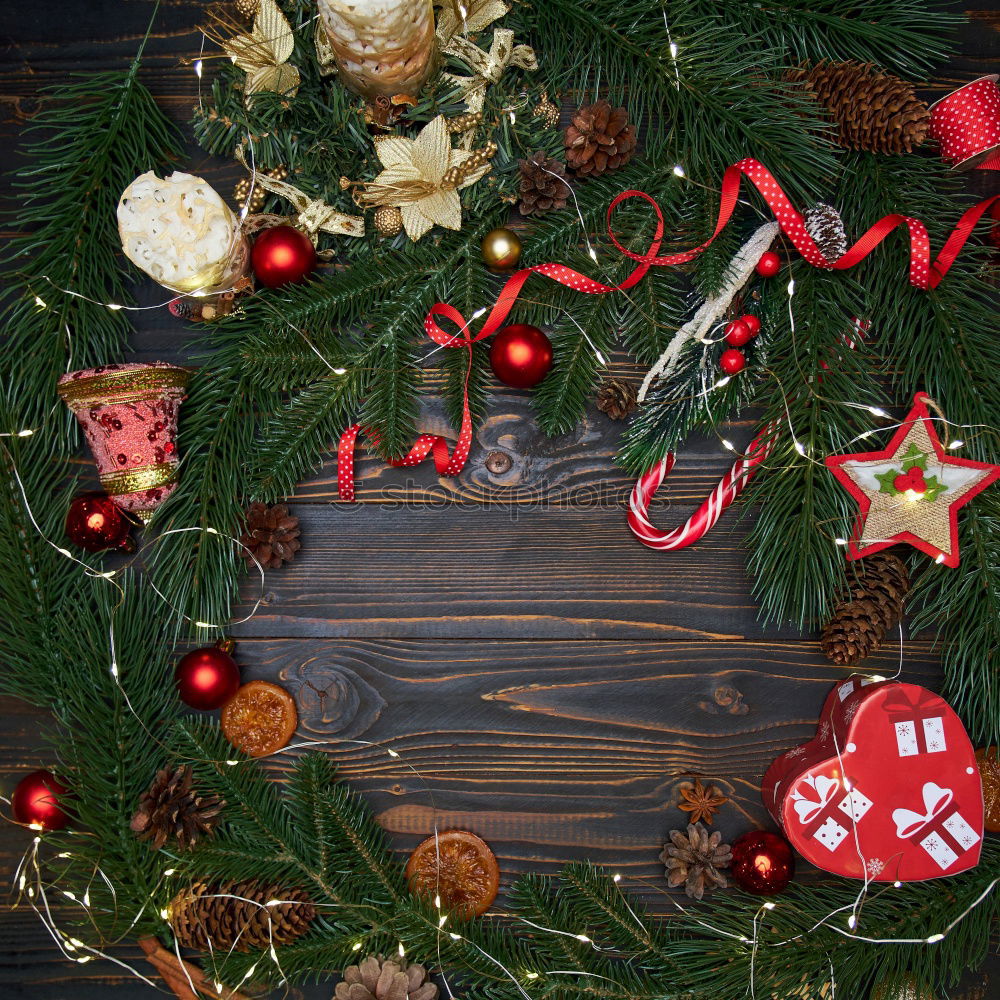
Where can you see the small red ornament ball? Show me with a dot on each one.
(752, 322)
(763, 863)
(737, 333)
(521, 356)
(732, 361)
(281, 256)
(35, 801)
(95, 522)
(207, 678)
(769, 264)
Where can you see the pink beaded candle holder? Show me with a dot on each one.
(129, 415)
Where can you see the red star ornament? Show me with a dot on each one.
(886, 515)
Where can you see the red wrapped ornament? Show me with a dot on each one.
(521, 356)
(35, 801)
(282, 256)
(129, 416)
(763, 863)
(207, 678)
(889, 789)
(95, 522)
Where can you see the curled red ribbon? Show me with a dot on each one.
(966, 125)
(923, 273)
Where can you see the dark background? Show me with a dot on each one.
(551, 680)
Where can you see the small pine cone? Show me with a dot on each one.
(172, 810)
(874, 111)
(378, 979)
(388, 220)
(271, 535)
(696, 860)
(242, 192)
(825, 226)
(600, 139)
(617, 398)
(543, 186)
(547, 111)
(242, 916)
(872, 605)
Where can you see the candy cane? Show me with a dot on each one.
(695, 527)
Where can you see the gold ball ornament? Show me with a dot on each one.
(247, 9)
(905, 987)
(242, 191)
(501, 250)
(388, 220)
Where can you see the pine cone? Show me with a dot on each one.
(696, 860)
(541, 192)
(601, 138)
(171, 808)
(874, 111)
(236, 916)
(377, 979)
(617, 398)
(271, 534)
(825, 226)
(872, 606)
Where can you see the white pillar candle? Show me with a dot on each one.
(383, 48)
(181, 233)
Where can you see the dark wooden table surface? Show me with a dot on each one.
(551, 680)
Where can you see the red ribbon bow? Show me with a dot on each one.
(923, 273)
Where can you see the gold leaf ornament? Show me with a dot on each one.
(422, 177)
(263, 54)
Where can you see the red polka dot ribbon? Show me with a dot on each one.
(923, 273)
(966, 124)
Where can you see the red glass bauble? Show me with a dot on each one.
(35, 801)
(207, 678)
(94, 523)
(737, 333)
(769, 264)
(732, 361)
(763, 862)
(751, 321)
(282, 255)
(521, 355)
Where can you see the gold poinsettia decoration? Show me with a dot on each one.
(422, 177)
(263, 54)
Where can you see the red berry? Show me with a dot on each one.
(917, 484)
(732, 361)
(769, 264)
(916, 473)
(738, 333)
(901, 483)
(751, 321)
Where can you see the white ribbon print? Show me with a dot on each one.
(826, 788)
(936, 800)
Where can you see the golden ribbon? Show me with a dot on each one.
(487, 67)
(456, 17)
(312, 214)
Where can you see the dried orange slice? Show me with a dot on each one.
(459, 868)
(260, 718)
(989, 769)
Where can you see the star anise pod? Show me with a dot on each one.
(701, 801)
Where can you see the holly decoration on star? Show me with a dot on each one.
(911, 491)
